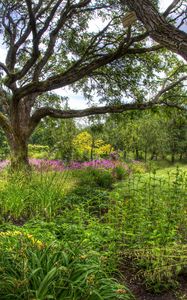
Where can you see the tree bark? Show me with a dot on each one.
(158, 27)
(18, 141)
(19, 155)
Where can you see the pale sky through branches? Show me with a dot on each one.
(77, 100)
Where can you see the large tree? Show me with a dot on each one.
(51, 44)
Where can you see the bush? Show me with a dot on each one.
(96, 177)
(120, 173)
(38, 151)
(40, 197)
(137, 167)
(103, 178)
(160, 266)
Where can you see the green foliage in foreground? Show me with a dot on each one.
(152, 215)
(77, 234)
(31, 269)
(40, 196)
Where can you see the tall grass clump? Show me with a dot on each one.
(37, 196)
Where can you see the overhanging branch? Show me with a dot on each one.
(171, 7)
(157, 100)
(72, 113)
(158, 27)
(73, 75)
(69, 114)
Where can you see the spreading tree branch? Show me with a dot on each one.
(4, 68)
(171, 7)
(68, 114)
(73, 75)
(158, 27)
(168, 87)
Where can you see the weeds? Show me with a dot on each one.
(152, 227)
(77, 231)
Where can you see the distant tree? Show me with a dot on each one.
(86, 147)
(154, 133)
(177, 133)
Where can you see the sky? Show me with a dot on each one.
(77, 101)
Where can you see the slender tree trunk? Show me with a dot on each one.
(153, 155)
(173, 157)
(137, 154)
(145, 155)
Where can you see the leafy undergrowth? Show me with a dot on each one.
(33, 269)
(153, 227)
(79, 228)
(63, 249)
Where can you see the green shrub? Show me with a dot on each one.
(160, 267)
(98, 177)
(103, 178)
(137, 167)
(40, 197)
(38, 151)
(120, 173)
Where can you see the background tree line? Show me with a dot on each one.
(151, 135)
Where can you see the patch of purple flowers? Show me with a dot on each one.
(104, 164)
(57, 165)
(44, 164)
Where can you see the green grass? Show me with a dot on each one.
(77, 228)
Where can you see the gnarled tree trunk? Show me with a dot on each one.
(19, 154)
(20, 133)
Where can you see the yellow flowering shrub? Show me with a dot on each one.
(105, 149)
(84, 144)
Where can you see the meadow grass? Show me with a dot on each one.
(65, 235)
